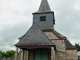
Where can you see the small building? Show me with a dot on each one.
(42, 41)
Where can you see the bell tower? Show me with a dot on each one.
(44, 17)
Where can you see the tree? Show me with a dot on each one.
(10, 54)
(0, 53)
(77, 46)
(3, 54)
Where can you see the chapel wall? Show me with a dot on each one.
(60, 56)
(31, 55)
(50, 35)
(71, 55)
(20, 54)
(25, 55)
(60, 45)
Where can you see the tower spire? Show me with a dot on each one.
(44, 17)
(44, 6)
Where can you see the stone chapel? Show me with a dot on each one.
(42, 41)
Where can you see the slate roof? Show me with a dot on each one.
(34, 37)
(21, 37)
(44, 7)
(58, 33)
(69, 45)
(53, 30)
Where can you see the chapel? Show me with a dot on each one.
(42, 41)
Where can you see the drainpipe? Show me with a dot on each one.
(65, 47)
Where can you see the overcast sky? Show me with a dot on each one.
(16, 18)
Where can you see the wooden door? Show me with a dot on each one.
(41, 55)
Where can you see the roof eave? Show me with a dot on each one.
(40, 12)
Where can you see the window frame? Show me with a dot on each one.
(42, 18)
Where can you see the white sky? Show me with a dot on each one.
(16, 18)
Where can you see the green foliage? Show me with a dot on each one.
(3, 54)
(77, 46)
(0, 53)
(8, 54)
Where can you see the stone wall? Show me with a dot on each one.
(50, 35)
(31, 55)
(7, 59)
(60, 45)
(71, 55)
(60, 56)
(25, 55)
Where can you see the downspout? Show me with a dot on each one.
(65, 47)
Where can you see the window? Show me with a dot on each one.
(42, 18)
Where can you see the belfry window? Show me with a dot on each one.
(42, 18)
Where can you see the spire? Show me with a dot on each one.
(44, 6)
